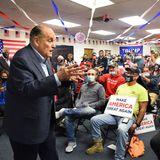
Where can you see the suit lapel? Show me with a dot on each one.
(36, 62)
(38, 66)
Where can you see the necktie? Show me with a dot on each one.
(48, 67)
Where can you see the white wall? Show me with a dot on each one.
(146, 50)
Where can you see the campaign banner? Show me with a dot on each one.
(147, 125)
(131, 49)
(122, 106)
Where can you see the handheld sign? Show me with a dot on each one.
(122, 106)
(147, 125)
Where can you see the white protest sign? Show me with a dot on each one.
(122, 106)
(147, 124)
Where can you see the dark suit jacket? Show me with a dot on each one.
(3, 64)
(28, 106)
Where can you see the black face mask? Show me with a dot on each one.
(129, 78)
(5, 55)
(4, 80)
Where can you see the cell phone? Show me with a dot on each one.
(125, 120)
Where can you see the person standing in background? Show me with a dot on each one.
(3, 82)
(70, 59)
(29, 114)
(4, 60)
(102, 61)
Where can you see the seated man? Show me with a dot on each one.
(112, 80)
(130, 88)
(91, 96)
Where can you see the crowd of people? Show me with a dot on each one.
(37, 87)
(134, 75)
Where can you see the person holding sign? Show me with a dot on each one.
(125, 125)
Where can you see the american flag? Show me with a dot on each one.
(12, 45)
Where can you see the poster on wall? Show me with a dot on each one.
(131, 49)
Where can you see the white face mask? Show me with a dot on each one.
(113, 73)
(90, 79)
(146, 74)
(138, 57)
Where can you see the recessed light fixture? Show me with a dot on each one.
(57, 22)
(133, 20)
(90, 3)
(154, 31)
(102, 32)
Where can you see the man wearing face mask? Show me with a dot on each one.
(151, 82)
(112, 80)
(4, 60)
(91, 96)
(130, 88)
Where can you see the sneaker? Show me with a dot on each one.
(70, 147)
(59, 113)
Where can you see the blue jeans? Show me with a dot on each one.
(122, 131)
(71, 114)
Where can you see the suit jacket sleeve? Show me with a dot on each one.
(26, 80)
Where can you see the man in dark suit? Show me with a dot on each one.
(28, 120)
(4, 60)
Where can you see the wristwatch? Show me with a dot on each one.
(138, 125)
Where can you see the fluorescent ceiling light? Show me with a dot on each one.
(154, 31)
(127, 38)
(57, 22)
(90, 3)
(133, 20)
(102, 32)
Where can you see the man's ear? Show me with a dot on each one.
(36, 41)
